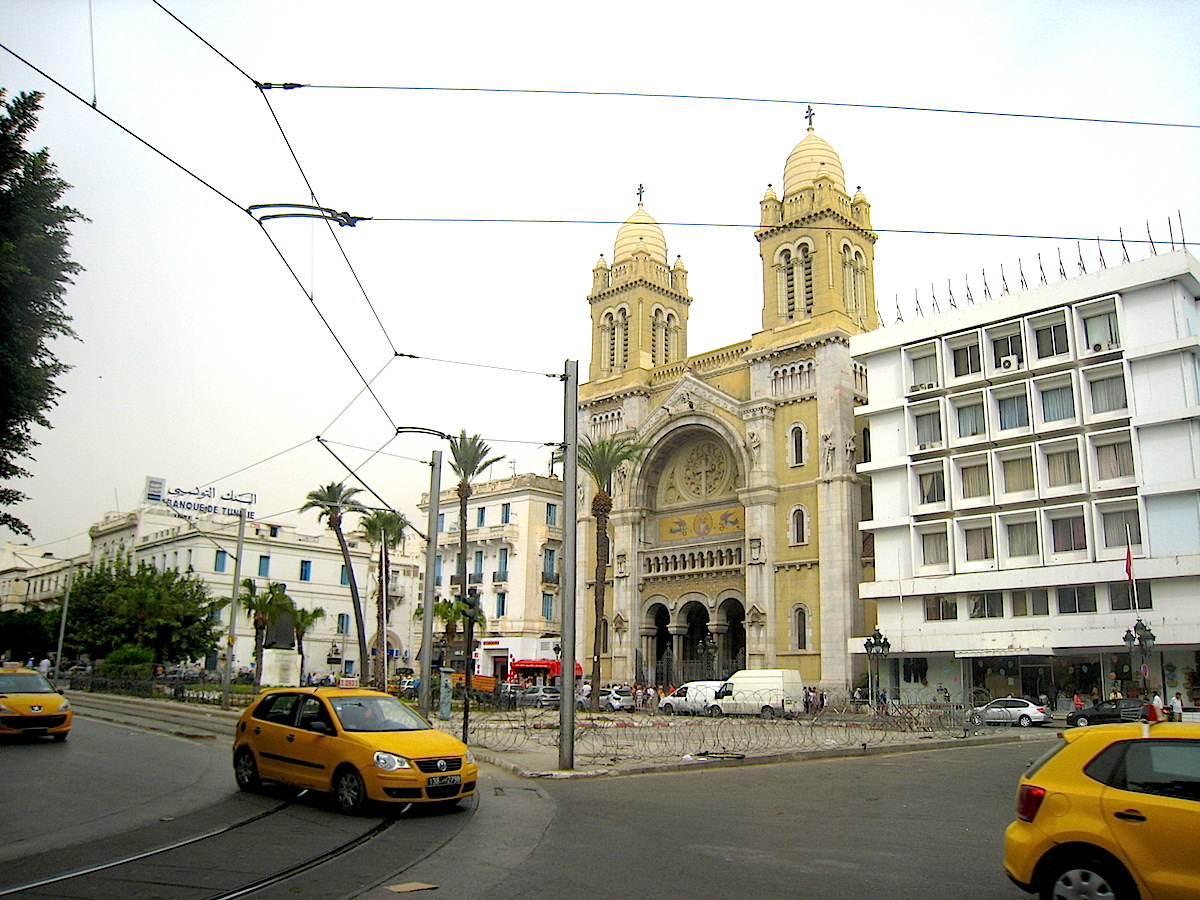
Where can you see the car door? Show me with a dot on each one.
(269, 724)
(311, 755)
(1153, 802)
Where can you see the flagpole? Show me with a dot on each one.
(1129, 568)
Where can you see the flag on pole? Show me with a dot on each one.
(1129, 563)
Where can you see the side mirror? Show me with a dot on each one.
(319, 727)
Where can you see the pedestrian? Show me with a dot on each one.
(1157, 703)
(44, 666)
(1077, 701)
(1177, 707)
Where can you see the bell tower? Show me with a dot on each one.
(817, 247)
(639, 303)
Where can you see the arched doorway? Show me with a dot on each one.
(731, 644)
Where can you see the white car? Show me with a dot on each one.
(1010, 711)
(691, 699)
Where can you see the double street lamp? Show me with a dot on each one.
(1143, 638)
(708, 652)
(877, 647)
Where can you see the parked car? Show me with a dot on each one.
(539, 696)
(1106, 712)
(759, 692)
(1010, 711)
(355, 743)
(1103, 814)
(611, 699)
(691, 699)
(31, 706)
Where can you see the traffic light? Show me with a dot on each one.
(471, 604)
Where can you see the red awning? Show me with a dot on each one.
(551, 666)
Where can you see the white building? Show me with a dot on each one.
(1020, 448)
(514, 557)
(310, 565)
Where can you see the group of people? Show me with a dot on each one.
(1174, 714)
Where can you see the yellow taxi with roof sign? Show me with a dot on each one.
(355, 743)
(31, 706)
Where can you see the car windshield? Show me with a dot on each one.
(376, 714)
(24, 683)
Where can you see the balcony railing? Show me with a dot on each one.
(549, 578)
(501, 575)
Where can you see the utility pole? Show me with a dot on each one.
(566, 703)
(435, 487)
(227, 675)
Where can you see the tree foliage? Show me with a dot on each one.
(169, 613)
(333, 502)
(384, 528)
(35, 270)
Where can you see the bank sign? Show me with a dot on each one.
(200, 500)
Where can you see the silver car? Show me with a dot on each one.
(1010, 711)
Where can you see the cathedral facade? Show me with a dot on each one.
(735, 540)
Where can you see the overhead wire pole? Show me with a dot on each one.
(227, 675)
(435, 490)
(566, 704)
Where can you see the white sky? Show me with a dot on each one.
(201, 356)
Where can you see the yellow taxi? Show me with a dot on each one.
(355, 743)
(31, 706)
(1110, 811)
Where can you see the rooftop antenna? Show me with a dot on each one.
(987, 291)
(1153, 249)
(1021, 270)
(899, 314)
(1042, 269)
(934, 296)
(1079, 250)
(1171, 232)
(1124, 249)
(967, 282)
(1003, 282)
(953, 305)
(1062, 270)
(1100, 250)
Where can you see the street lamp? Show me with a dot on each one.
(708, 651)
(877, 647)
(1143, 638)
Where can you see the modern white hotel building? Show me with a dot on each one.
(1020, 448)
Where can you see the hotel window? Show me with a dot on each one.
(264, 567)
(505, 513)
(478, 563)
(940, 609)
(924, 370)
(934, 548)
(343, 623)
(986, 606)
(799, 445)
(1014, 411)
(552, 514)
(501, 604)
(932, 486)
(929, 429)
(1081, 599)
(975, 482)
(970, 420)
(800, 628)
(1068, 533)
(1022, 538)
(1122, 528)
(502, 565)
(1101, 331)
(1108, 394)
(1018, 474)
(1051, 340)
(1120, 598)
(480, 516)
(1058, 403)
(1062, 468)
(1030, 603)
(966, 360)
(345, 577)
(1114, 460)
(306, 570)
(978, 542)
(548, 606)
(1003, 347)
(441, 521)
(549, 555)
(219, 561)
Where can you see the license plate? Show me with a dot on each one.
(439, 780)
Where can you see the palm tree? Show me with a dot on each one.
(264, 609)
(450, 613)
(385, 528)
(601, 459)
(334, 501)
(469, 457)
(302, 621)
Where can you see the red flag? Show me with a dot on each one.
(1129, 563)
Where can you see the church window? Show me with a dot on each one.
(799, 526)
(788, 268)
(671, 346)
(800, 628)
(658, 339)
(798, 445)
(806, 271)
(622, 339)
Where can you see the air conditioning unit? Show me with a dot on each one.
(913, 388)
(930, 386)
(1010, 362)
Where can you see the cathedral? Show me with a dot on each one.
(735, 540)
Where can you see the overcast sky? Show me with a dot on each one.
(202, 360)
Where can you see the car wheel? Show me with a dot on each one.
(1081, 721)
(579, 706)
(767, 712)
(1024, 721)
(245, 770)
(349, 792)
(59, 738)
(538, 704)
(975, 719)
(1085, 877)
(715, 712)
(667, 709)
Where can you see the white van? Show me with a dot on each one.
(759, 692)
(691, 699)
